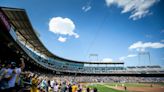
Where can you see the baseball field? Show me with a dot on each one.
(127, 87)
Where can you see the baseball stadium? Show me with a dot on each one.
(28, 65)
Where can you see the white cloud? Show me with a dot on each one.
(132, 55)
(128, 56)
(62, 26)
(162, 40)
(122, 58)
(86, 8)
(107, 60)
(62, 39)
(140, 46)
(138, 8)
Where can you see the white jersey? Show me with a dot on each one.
(18, 71)
(56, 88)
(52, 83)
(9, 72)
(12, 81)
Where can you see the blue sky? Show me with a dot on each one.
(113, 29)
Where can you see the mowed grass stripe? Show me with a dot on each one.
(104, 88)
(128, 84)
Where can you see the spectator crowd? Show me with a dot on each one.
(14, 79)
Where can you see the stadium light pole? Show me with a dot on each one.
(92, 56)
(139, 58)
(144, 53)
(149, 58)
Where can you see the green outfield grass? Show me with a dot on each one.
(107, 87)
(128, 84)
(103, 88)
(161, 84)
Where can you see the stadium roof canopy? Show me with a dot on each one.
(20, 22)
(24, 30)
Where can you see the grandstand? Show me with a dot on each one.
(18, 38)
